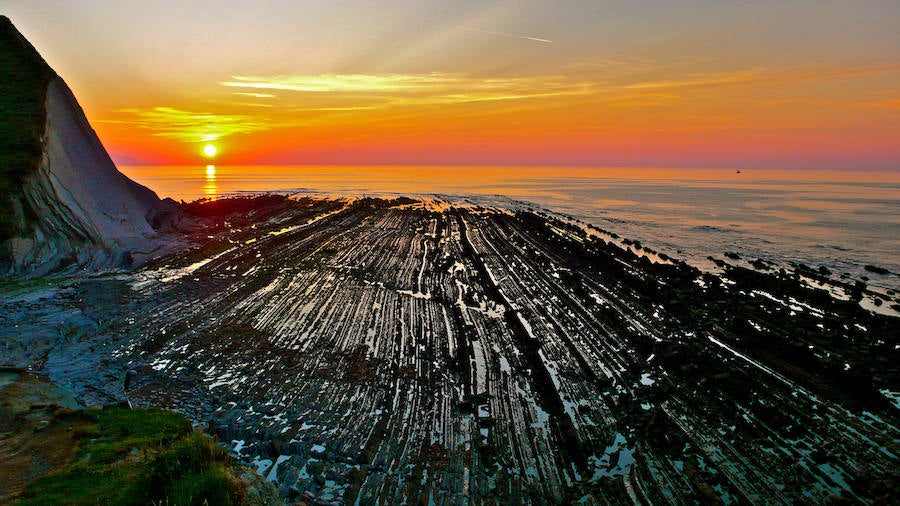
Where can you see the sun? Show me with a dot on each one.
(210, 151)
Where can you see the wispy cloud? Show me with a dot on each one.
(343, 83)
(260, 103)
(837, 72)
(511, 35)
(368, 91)
(694, 80)
(639, 99)
(614, 64)
(190, 126)
(890, 103)
(759, 75)
(304, 100)
(255, 95)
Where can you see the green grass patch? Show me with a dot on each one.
(141, 456)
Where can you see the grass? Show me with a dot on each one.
(24, 77)
(141, 456)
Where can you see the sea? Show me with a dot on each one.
(842, 220)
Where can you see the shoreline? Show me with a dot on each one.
(223, 342)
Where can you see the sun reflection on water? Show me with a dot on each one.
(210, 188)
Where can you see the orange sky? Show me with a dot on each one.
(693, 84)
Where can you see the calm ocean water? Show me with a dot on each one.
(842, 220)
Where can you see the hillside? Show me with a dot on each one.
(51, 452)
(64, 203)
(24, 77)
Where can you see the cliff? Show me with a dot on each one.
(64, 202)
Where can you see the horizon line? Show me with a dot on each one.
(513, 165)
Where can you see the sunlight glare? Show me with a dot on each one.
(211, 189)
(209, 150)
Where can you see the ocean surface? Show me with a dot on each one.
(840, 220)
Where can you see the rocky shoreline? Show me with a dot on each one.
(390, 350)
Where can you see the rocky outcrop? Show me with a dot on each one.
(73, 207)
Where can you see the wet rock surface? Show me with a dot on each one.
(367, 350)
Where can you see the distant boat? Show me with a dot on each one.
(738, 171)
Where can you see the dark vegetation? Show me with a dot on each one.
(141, 456)
(24, 77)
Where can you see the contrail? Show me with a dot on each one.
(507, 34)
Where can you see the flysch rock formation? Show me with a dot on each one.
(453, 352)
(74, 208)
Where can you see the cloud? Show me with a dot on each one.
(760, 75)
(190, 126)
(255, 95)
(695, 80)
(890, 103)
(344, 83)
(612, 85)
(837, 72)
(614, 64)
(305, 100)
(368, 91)
(511, 35)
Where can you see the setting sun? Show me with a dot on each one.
(209, 150)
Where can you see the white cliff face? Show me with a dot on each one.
(83, 211)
